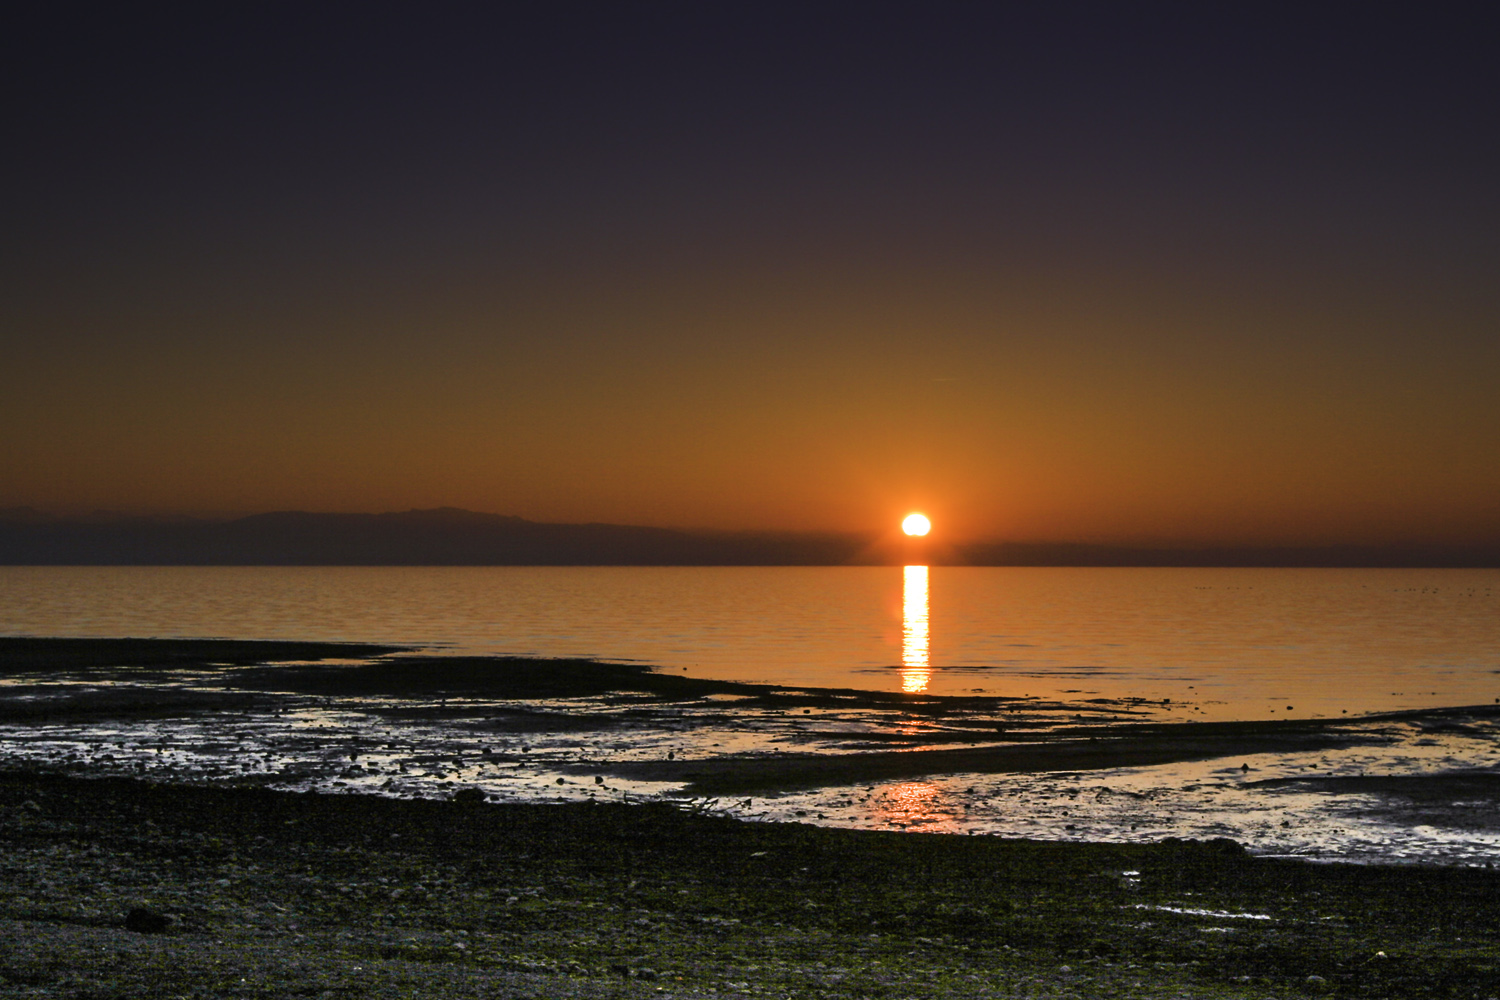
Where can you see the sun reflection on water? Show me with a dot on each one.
(914, 804)
(914, 667)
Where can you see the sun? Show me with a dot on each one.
(916, 524)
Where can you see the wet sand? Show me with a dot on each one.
(1062, 752)
(1459, 800)
(493, 854)
(398, 722)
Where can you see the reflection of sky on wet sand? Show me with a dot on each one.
(914, 630)
(913, 804)
(532, 752)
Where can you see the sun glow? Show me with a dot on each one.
(916, 524)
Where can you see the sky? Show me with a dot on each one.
(1130, 273)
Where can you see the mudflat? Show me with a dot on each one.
(248, 892)
(402, 722)
(996, 735)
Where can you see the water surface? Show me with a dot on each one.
(1220, 643)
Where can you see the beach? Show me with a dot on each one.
(341, 820)
(1416, 786)
(275, 894)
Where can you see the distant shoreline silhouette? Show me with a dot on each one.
(453, 537)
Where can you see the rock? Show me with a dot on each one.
(146, 921)
(468, 797)
(1228, 847)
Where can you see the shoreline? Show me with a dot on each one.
(333, 824)
(336, 717)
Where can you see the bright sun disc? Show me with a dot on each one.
(916, 524)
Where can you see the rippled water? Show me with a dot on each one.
(1225, 643)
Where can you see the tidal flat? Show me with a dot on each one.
(330, 819)
(402, 722)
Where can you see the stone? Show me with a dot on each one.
(468, 797)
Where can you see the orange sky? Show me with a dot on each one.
(1004, 418)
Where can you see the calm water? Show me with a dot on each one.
(1229, 643)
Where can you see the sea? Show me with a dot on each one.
(1205, 645)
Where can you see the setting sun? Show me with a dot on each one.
(916, 524)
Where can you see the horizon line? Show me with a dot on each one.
(27, 514)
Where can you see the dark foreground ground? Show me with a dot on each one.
(274, 894)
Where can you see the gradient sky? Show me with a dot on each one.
(1114, 272)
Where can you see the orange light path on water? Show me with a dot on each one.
(914, 638)
(920, 804)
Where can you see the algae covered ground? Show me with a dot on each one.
(279, 894)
